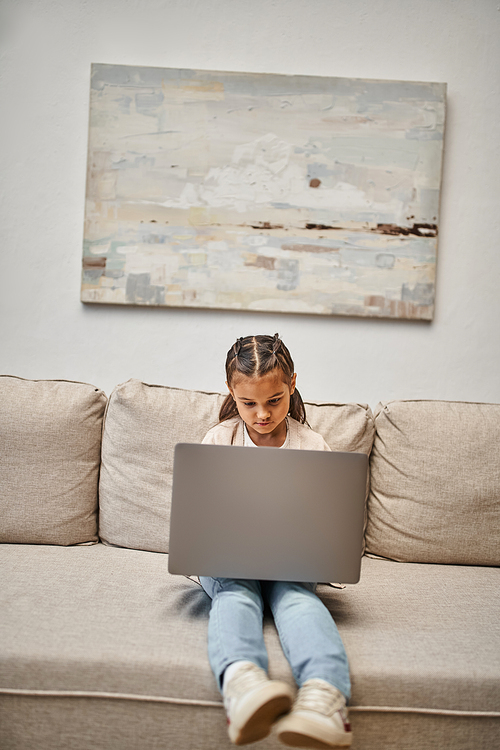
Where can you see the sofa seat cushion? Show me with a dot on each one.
(102, 619)
(109, 620)
(423, 636)
(50, 433)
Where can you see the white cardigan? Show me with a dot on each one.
(302, 437)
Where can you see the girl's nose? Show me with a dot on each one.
(263, 412)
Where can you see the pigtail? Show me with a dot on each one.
(297, 408)
(228, 409)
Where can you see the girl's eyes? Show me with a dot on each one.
(271, 401)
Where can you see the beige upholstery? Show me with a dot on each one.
(435, 483)
(102, 649)
(345, 427)
(50, 437)
(118, 651)
(142, 426)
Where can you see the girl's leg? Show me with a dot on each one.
(308, 634)
(235, 624)
(253, 702)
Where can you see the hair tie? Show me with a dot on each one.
(276, 343)
(237, 346)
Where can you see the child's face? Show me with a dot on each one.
(263, 404)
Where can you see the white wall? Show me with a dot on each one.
(46, 50)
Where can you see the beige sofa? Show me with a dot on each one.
(101, 648)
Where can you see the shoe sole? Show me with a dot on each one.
(259, 723)
(296, 733)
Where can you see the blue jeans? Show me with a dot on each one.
(309, 637)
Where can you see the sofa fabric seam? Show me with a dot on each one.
(219, 704)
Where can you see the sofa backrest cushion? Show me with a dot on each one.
(435, 483)
(144, 422)
(345, 427)
(50, 433)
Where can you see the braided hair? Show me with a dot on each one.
(255, 356)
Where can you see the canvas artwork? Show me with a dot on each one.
(243, 191)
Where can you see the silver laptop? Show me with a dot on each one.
(267, 514)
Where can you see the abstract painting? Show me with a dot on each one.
(253, 191)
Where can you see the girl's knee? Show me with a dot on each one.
(241, 588)
(292, 594)
(238, 584)
(291, 588)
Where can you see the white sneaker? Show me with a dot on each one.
(253, 702)
(318, 718)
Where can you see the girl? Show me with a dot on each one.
(264, 408)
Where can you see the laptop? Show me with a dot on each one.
(267, 514)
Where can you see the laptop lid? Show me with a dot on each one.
(267, 514)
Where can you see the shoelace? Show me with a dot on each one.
(316, 696)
